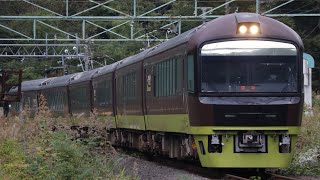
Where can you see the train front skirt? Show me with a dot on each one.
(245, 147)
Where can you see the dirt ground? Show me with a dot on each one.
(144, 169)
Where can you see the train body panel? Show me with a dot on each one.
(165, 105)
(228, 92)
(126, 121)
(80, 99)
(129, 97)
(177, 123)
(57, 101)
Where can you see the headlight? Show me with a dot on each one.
(248, 28)
(254, 29)
(243, 29)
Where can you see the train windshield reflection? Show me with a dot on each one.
(249, 66)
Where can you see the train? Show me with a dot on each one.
(228, 93)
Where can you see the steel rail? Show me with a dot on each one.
(280, 177)
(234, 177)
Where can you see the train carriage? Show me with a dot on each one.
(129, 93)
(29, 98)
(164, 86)
(245, 106)
(80, 93)
(56, 93)
(103, 98)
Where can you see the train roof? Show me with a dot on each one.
(106, 69)
(225, 27)
(31, 85)
(181, 39)
(62, 80)
(133, 59)
(86, 76)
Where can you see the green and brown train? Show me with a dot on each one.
(228, 93)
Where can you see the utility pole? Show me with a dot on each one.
(87, 55)
(64, 66)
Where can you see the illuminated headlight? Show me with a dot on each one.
(248, 28)
(254, 29)
(243, 29)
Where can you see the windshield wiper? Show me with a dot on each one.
(210, 88)
(285, 88)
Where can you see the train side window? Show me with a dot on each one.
(108, 92)
(178, 73)
(54, 100)
(165, 79)
(57, 103)
(190, 73)
(157, 79)
(161, 79)
(168, 78)
(129, 86)
(173, 76)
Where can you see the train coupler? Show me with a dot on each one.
(250, 142)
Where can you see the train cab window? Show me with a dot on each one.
(249, 66)
(168, 78)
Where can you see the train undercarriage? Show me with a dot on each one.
(220, 149)
(172, 145)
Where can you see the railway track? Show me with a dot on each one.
(280, 177)
(267, 176)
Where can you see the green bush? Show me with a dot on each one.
(12, 160)
(56, 156)
(63, 158)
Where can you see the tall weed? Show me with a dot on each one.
(44, 147)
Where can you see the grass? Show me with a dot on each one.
(43, 148)
(307, 156)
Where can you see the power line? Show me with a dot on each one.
(299, 8)
(311, 32)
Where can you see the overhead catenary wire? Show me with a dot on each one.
(311, 32)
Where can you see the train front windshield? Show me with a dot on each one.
(249, 66)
